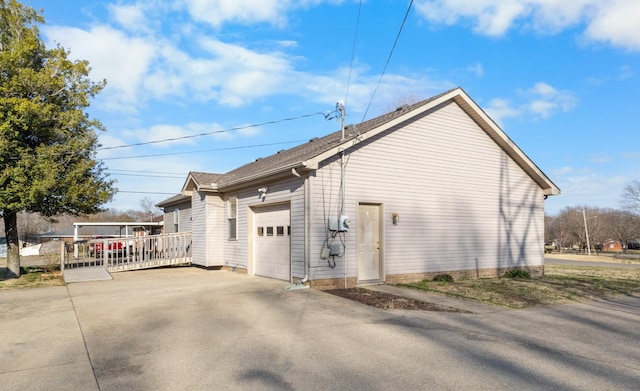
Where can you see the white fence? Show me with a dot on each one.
(119, 254)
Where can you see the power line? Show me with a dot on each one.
(210, 133)
(144, 192)
(201, 151)
(145, 172)
(148, 176)
(406, 15)
(353, 53)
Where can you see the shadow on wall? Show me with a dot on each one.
(514, 215)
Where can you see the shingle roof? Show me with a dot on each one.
(205, 178)
(176, 199)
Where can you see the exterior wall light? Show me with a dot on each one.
(395, 218)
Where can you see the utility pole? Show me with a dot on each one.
(340, 107)
(586, 231)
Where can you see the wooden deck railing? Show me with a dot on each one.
(119, 254)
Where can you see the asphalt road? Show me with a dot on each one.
(193, 329)
(557, 261)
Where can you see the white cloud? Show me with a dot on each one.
(544, 100)
(130, 17)
(142, 63)
(585, 187)
(218, 12)
(192, 133)
(121, 59)
(600, 158)
(625, 72)
(614, 22)
(476, 69)
(563, 170)
(500, 109)
(540, 101)
(142, 68)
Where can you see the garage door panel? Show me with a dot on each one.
(272, 243)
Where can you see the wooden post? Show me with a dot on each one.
(62, 254)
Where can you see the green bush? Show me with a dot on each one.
(443, 278)
(517, 273)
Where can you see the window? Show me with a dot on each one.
(232, 213)
(280, 230)
(260, 231)
(176, 220)
(269, 231)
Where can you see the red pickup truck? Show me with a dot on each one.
(96, 246)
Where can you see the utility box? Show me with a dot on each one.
(333, 223)
(339, 223)
(335, 250)
(343, 223)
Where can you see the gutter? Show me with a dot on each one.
(262, 175)
(307, 234)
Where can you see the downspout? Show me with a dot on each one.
(307, 232)
(307, 229)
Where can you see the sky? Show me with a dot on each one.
(561, 78)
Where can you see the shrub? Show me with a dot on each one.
(517, 273)
(443, 278)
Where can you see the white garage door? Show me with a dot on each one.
(272, 246)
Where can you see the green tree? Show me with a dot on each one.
(47, 142)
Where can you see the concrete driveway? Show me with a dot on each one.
(193, 329)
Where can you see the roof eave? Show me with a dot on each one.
(289, 169)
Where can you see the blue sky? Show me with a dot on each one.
(560, 77)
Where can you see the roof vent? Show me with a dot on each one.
(282, 150)
(313, 139)
(403, 107)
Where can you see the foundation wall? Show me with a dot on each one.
(338, 283)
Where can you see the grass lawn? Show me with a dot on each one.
(560, 284)
(30, 276)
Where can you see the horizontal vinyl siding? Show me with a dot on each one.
(184, 223)
(207, 229)
(215, 230)
(198, 231)
(463, 204)
(288, 191)
(185, 220)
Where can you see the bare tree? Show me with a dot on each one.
(625, 226)
(567, 229)
(631, 196)
(149, 208)
(402, 101)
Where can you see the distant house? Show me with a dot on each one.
(89, 230)
(434, 187)
(633, 244)
(611, 245)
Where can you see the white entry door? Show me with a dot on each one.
(272, 244)
(368, 245)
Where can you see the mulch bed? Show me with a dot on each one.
(388, 301)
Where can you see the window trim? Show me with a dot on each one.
(232, 218)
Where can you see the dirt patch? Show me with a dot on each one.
(388, 301)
